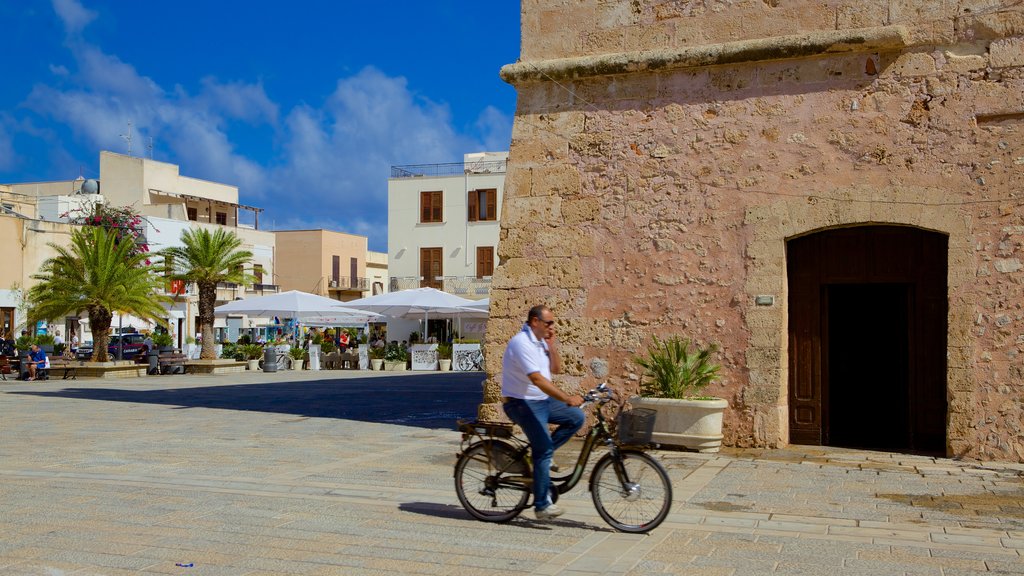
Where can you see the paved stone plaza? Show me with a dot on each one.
(351, 473)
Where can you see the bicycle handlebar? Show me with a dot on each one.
(602, 394)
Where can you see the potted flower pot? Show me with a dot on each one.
(376, 363)
(675, 376)
(444, 364)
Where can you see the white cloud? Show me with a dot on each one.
(58, 70)
(73, 15)
(331, 159)
(239, 100)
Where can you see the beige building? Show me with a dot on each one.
(830, 190)
(332, 264)
(24, 245)
(171, 203)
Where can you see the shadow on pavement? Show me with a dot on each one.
(428, 401)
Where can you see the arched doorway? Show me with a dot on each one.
(867, 338)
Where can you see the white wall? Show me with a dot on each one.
(456, 235)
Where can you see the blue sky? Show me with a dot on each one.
(303, 105)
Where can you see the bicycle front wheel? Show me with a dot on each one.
(488, 481)
(635, 497)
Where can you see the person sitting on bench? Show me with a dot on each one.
(38, 362)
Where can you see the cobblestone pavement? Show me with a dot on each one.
(351, 473)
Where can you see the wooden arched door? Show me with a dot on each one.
(867, 338)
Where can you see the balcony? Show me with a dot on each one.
(262, 289)
(228, 291)
(466, 286)
(347, 284)
(451, 169)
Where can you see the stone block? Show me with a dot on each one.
(526, 212)
(1006, 52)
(962, 64)
(913, 64)
(579, 210)
(556, 180)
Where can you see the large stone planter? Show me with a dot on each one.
(693, 424)
(394, 366)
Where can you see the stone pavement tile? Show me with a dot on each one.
(967, 540)
(891, 567)
(684, 569)
(878, 533)
(922, 558)
(792, 526)
(1003, 567)
(1012, 542)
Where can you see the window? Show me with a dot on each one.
(257, 271)
(335, 269)
(431, 268)
(430, 207)
(484, 261)
(483, 205)
(193, 213)
(222, 218)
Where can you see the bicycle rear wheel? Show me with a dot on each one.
(483, 484)
(639, 499)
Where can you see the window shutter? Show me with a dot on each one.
(473, 205)
(492, 204)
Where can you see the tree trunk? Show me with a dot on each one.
(99, 324)
(207, 302)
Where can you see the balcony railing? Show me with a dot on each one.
(263, 289)
(451, 169)
(347, 283)
(465, 286)
(227, 291)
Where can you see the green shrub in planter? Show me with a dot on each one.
(163, 340)
(673, 370)
(444, 351)
(250, 351)
(297, 353)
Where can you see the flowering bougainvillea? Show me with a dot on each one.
(124, 221)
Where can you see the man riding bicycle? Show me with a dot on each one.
(532, 400)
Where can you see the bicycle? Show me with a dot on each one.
(631, 490)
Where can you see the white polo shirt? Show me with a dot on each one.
(524, 355)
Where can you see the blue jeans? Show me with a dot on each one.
(533, 416)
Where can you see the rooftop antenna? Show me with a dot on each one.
(128, 138)
(150, 147)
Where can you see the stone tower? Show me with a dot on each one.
(832, 191)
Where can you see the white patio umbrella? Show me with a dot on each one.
(413, 303)
(298, 305)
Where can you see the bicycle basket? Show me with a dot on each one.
(636, 426)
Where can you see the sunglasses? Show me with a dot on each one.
(547, 322)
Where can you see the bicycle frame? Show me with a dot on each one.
(499, 432)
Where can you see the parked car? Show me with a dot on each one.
(133, 346)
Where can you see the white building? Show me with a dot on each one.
(443, 224)
(170, 204)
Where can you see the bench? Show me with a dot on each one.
(170, 361)
(9, 365)
(70, 367)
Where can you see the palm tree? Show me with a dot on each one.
(100, 275)
(207, 259)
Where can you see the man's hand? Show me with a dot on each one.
(575, 400)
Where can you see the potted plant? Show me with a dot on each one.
(252, 354)
(376, 358)
(45, 341)
(444, 356)
(395, 357)
(163, 342)
(675, 373)
(296, 354)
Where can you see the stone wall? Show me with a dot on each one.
(663, 152)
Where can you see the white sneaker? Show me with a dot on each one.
(552, 511)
